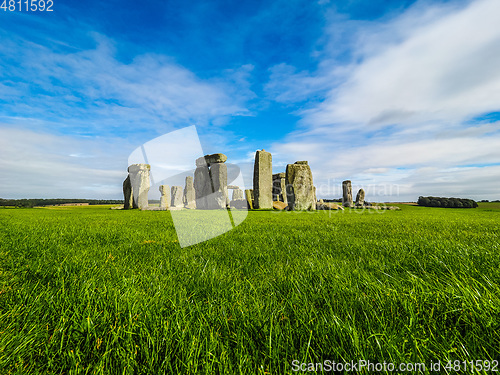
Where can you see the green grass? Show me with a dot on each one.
(93, 290)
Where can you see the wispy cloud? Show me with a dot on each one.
(406, 100)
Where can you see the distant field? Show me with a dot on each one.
(94, 290)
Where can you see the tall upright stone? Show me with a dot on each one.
(237, 194)
(202, 185)
(360, 198)
(177, 193)
(218, 173)
(347, 193)
(263, 180)
(249, 198)
(128, 197)
(189, 198)
(299, 187)
(279, 187)
(139, 179)
(164, 197)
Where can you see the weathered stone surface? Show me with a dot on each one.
(301, 162)
(189, 198)
(218, 173)
(279, 187)
(279, 205)
(128, 197)
(164, 197)
(328, 206)
(347, 194)
(263, 180)
(239, 204)
(202, 186)
(360, 198)
(237, 194)
(210, 159)
(300, 188)
(249, 198)
(177, 193)
(232, 187)
(139, 179)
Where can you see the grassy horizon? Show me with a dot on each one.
(93, 290)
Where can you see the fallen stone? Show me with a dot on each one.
(328, 206)
(239, 204)
(279, 205)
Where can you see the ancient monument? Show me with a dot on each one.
(299, 187)
(360, 198)
(347, 194)
(263, 180)
(164, 197)
(189, 198)
(279, 188)
(177, 193)
(139, 180)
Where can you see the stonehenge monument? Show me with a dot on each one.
(347, 194)
(279, 187)
(208, 188)
(263, 180)
(165, 197)
(189, 198)
(177, 193)
(139, 180)
(360, 198)
(299, 187)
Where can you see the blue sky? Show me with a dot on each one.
(401, 97)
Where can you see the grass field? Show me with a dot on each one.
(94, 290)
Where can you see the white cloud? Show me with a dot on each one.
(401, 113)
(41, 165)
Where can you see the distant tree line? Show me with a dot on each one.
(446, 202)
(29, 203)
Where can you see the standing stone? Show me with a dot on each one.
(347, 194)
(218, 173)
(128, 198)
(165, 197)
(177, 196)
(249, 198)
(360, 198)
(279, 187)
(237, 194)
(202, 186)
(263, 180)
(211, 159)
(189, 198)
(300, 188)
(139, 179)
